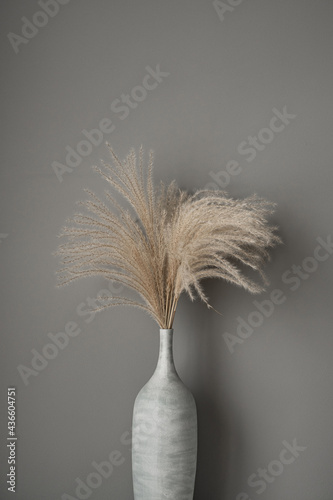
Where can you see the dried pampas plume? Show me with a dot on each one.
(168, 242)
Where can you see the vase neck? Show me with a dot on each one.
(165, 364)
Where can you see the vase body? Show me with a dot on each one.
(164, 434)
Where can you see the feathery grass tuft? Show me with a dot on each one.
(168, 242)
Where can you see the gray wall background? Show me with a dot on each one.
(228, 68)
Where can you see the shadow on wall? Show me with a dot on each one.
(219, 464)
(218, 451)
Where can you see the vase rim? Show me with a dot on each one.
(166, 329)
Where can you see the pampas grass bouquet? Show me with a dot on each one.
(165, 241)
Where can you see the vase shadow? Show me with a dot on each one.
(220, 437)
(213, 455)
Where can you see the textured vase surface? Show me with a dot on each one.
(164, 446)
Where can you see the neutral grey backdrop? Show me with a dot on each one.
(226, 68)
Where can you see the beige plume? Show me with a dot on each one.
(167, 241)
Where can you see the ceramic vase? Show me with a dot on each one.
(164, 434)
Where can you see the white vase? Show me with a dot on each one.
(164, 446)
